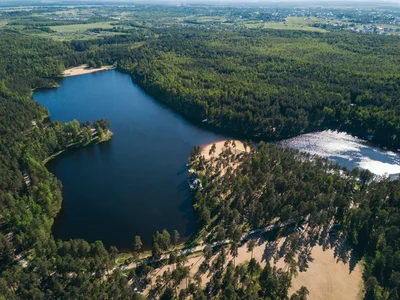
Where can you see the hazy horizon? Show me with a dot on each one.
(216, 2)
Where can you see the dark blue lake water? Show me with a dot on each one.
(135, 184)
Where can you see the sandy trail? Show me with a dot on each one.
(83, 69)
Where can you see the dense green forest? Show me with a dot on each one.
(276, 84)
(247, 190)
(264, 84)
(32, 264)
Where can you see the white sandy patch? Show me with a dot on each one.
(378, 167)
(83, 69)
(326, 143)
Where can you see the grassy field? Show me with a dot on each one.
(71, 36)
(2, 23)
(205, 19)
(295, 23)
(291, 23)
(81, 27)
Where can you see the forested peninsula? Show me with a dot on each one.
(268, 84)
(243, 190)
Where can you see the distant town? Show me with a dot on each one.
(90, 22)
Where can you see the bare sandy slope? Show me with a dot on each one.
(220, 147)
(83, 69)
(326, 278)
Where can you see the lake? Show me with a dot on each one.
(135, 184)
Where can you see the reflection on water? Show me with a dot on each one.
(348, 151)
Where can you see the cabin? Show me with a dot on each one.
(194, 182)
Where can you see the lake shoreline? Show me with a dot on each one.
(83, 69)
(234, 134)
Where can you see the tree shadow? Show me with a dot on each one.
(282, 251)
(182, 186)
(341, 250)
(304, 258)
(354, 259)
(186, 208)
(183, 169)
(323, 239)
(328, 238)
(271, 248)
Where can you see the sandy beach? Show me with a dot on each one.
(219, 147)
(83, 69)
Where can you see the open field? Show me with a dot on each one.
(295, 23)
(272, 25)
(291, 23)
(81, 27)
(73, 35)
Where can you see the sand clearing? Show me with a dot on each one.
(220, 147)
(326, 278)
(83, 69)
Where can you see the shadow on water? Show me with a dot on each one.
(186, 208)
(183, 186)
(184, 169)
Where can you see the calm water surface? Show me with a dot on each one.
(134, 184)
